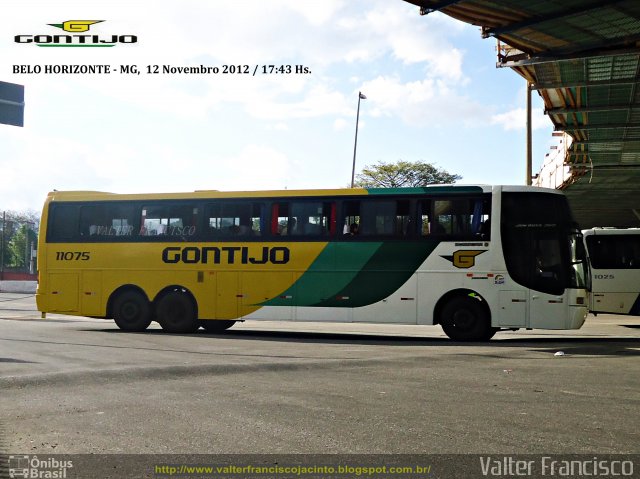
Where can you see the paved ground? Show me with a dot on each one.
(78, 385)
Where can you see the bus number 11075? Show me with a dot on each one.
(72, 256)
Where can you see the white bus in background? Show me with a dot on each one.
(614, 256)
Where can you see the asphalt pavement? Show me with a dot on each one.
(79, 385)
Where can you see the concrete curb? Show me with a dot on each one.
(27, 287)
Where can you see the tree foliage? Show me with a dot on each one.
(20, 247)
(403, 173)
(17, 231)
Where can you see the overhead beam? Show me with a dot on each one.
(585, 83)
(586, 109)
(430, 7)
(495, 31)
(608, 126)
(619, 46)
(615, 141)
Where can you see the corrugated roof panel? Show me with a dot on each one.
(583, 58)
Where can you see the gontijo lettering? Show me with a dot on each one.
(226, 255)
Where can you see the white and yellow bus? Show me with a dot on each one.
(614, 258)
(474, 259)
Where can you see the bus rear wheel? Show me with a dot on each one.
(465, 319)
(131, 311)
(176, 313)
(216, 326)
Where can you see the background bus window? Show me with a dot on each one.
(227, 219)
(107, 221)
(614, 252)
(169, 220)
(311, 218)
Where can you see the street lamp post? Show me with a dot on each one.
(355, 143)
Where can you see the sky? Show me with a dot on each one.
(433, 94)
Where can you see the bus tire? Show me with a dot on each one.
(465, 319)
(176, 312)
(132, 311)
(216, 326)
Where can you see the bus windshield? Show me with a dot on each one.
(540, 242)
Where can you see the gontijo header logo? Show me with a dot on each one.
(73, 40)
(75, 25)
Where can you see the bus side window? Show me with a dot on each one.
(461, 218)
(481, 220)
(107, 220)
(311, 218)
(176, 221)
(424, 214)
(280, 225)
(257, 219)
(376, 217)
(350, 218)
(63, 222)
(228, 219)
(403, 219)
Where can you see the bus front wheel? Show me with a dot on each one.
(465, 319)
(176, 313)
(131, 311)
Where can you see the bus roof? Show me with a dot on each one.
(212, 194)
(610, 230)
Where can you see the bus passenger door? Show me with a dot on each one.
(548, 306)
(547, 311)
(535, 260)
(63, 292)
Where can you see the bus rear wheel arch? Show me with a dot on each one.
(130, 309)
(176, 310)
(465, 316)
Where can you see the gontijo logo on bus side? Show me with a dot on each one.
(464, 258)
(76, 27)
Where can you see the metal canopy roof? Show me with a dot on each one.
(583, 58)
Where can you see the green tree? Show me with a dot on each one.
(403, 173)
(18, 229)
(20, 247)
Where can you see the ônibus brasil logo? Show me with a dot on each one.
(75, 38)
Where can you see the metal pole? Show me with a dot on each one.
(26, 246)
(31, 258)
(355, 143)
(529, 143)
(4, 225)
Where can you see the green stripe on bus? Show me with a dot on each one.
(389, 268)
(334, 268)
(354, 274)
